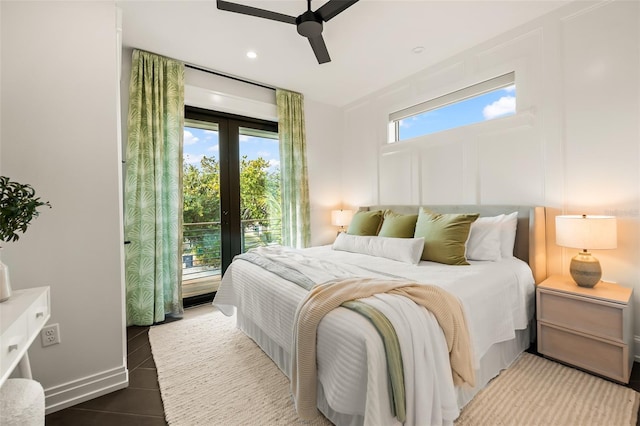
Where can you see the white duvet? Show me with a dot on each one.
(496, 296)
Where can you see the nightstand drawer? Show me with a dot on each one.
(606, 358)
(599, 318)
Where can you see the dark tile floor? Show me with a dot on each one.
(140, 404)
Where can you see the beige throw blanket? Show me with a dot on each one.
(325, 297)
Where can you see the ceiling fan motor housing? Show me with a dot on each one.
(309, 24)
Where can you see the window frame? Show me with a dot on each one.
(478, 89)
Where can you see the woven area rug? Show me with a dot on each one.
(210, 373)
(537, 391)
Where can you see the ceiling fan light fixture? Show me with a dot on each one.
(251, 54)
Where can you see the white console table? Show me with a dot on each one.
(21, 319)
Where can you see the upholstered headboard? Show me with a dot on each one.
(530, 244)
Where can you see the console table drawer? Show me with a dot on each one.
(38, 313)
(600, 356)
(13, 343)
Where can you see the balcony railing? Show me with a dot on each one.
(202, 250)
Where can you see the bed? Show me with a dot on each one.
(352, 381)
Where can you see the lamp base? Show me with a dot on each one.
(585, 269)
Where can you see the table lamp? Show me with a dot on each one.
(586, 232)
(341, 218)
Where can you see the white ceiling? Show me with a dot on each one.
(370, 43)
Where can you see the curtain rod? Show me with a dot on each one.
(229, 76)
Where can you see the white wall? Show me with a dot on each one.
(573, 146)
(324, 157)
(0, 94)
(60, 134)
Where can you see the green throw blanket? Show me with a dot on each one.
(392, 350)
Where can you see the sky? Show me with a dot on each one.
(200, 142)
(498, 103)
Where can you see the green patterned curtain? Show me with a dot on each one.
(293, 166)
(153, 189)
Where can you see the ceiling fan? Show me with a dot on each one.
(309, 24)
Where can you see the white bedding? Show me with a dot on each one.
(497, 298)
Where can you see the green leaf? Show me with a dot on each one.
(18, 207)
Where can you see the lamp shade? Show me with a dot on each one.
(341, 217)
(586, 232)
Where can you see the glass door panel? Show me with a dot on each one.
(260, 211)
(201, 248)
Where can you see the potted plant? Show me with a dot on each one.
(18, 207)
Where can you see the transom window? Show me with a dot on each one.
(484, 101)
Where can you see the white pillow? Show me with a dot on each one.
(484, 242)
(408, 250)
(508, 238)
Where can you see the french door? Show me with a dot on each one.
(231, 191)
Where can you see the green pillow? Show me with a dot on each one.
(398, 225)
(444, 235)
(365, 223)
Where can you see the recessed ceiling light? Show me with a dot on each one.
(251, 54)
(417, 49)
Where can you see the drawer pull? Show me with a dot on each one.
(13, 347)
(39, 314)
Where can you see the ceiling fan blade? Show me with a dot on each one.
(320, 49)
(254, 11)
(333, 7)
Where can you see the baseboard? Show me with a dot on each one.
(84, 389)
(636, 348)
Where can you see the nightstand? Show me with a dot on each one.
(590, 328)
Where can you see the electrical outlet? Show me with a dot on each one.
(50, 335)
